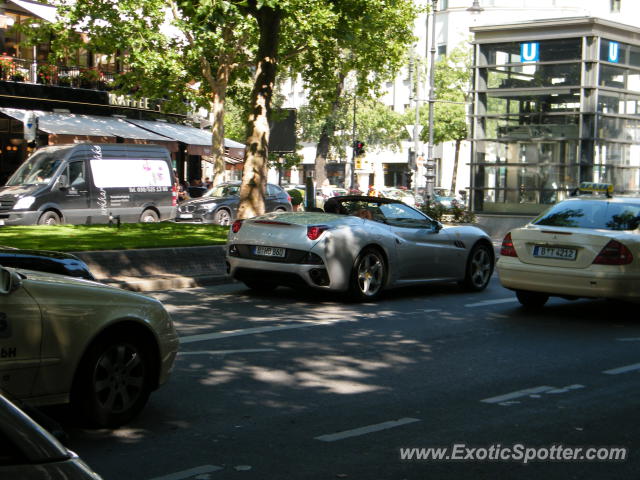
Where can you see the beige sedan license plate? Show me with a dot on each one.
(269, 251)
(561, 253)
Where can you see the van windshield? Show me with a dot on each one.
(36, 170)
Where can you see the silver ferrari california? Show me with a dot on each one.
(360, 245)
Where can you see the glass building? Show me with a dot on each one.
(556, 102)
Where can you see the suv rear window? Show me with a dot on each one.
(592, 214)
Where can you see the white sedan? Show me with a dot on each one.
(359, 245)
(587, 246)
(64, 339)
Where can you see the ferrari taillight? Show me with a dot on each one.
(235, 227)
(614, 253)
(314, 232)
(507, 249)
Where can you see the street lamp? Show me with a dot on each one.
(430, 164)
(475, 8)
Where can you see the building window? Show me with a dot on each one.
(615, 6)
(444, 4)
(442, 50)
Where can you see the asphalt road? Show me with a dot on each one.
(299, 386)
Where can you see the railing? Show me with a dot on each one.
(23, 70)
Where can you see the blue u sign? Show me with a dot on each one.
(614, 52)
(530, 52)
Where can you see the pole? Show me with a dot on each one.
(416, 139)
(353, 145)
(430, 161)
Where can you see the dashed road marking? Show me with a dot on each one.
(625, 369)
(520, 393)
(492, 302)
(332, 437)
(227, 352)
(189, 473)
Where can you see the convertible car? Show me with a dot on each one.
(360, 245)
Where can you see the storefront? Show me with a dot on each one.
(555, 103)
(71, 115)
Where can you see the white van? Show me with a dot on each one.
(90, 183)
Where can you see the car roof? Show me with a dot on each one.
(604, 198)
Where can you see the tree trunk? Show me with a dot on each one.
(328, 129)
(217, 106)
(454, 176)
(254, 174)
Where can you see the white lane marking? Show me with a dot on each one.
(625, 369)
(491, 302)
(520, 393)
(189, 473)
(630, 339)
(332, 437)
(568, 388)
(247, 331)
(225, 352)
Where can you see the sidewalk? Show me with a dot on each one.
(159, 268)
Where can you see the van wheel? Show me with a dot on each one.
(49, 218)
(149, 216)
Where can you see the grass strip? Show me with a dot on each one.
(75, 238)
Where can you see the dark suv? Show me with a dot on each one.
(220, 204)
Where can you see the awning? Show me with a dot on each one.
(40, 10)
(198, 141)
(76, 125)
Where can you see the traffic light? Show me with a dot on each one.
(358, 148)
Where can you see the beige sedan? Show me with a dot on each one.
(70, 340)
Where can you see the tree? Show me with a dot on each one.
(186, 53)
(369, 42)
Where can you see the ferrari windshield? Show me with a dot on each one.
(596, 214)
(36, 170)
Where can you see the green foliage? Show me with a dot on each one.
(454, 214)
(76, 238)
(377, 126)
(296, 196)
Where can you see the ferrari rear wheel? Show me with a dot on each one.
(479, 268)
(368, 275)
(531, 299)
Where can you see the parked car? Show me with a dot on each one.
(362, 246)
(29, 452)
(219, 205)
(586, 246)
(406, 196)
(64, 339)
(328, 191)
(45, 261)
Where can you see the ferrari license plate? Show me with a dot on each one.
(269, 251)
(561, 253)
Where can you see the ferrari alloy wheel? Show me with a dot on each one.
(114, 381)
(479, 268)
(531, 300)
(368, 275)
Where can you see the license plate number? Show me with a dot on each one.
(186, 215)
(269, 251)
(554, 252)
